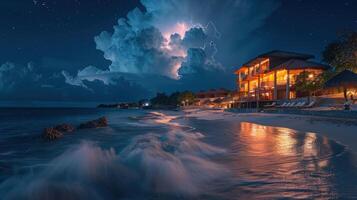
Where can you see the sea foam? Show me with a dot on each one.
(175, 164)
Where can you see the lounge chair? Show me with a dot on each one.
(292, 105)
(282, 105)
(288, 105)
(301, 104)
(270, 105)
(297, 104)
(311, 104)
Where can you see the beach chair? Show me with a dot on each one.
(282, 105)
(287, 105)
(271, 105)
(311, 104)
(297, 104)
(301, 104)
(292, 105)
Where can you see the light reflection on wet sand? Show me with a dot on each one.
(274, 162)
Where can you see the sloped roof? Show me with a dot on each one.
(227, 99)
(213, 91)
(280, 54)
(345, 78)
(300, 64)
(217, 100)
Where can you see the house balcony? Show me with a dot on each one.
(252, 75)
(267, 84)
(264, 94)
(255, 73)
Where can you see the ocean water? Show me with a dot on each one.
(166, 155)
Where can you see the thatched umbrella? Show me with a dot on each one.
(345, 79)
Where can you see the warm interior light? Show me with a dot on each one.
(311, 75)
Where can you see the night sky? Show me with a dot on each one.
(57, 29)
(48, 49)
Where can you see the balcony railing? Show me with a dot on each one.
(257, 72)
(267, 84)
(252, 74)
(264, 96)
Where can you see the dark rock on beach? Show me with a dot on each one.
(65, 128)
(56, 132)
(51, 134)
(101, 122)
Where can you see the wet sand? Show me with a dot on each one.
(196, 154)
(341, 130)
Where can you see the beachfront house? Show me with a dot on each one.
(214, 98)
(271, 76)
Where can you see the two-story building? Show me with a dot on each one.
(271, 76)
(213, 98)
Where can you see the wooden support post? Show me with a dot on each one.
(248, 89)
(258, 93)
(288, 85)
(275, 87)
(239, 80)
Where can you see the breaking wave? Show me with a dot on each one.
(175, 164)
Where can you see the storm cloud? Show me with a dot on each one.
(172, 39)
(134, 49)
(168, 46)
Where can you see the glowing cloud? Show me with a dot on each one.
(172, 40)
(179, 28)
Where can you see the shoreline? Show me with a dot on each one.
(341, 130)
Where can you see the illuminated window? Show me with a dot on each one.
(281, 77)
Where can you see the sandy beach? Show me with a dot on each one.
(340, 130)
(162, 154)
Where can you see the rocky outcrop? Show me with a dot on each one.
(51, 134)
(56, 132)
(100, 122)
(65, 128)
